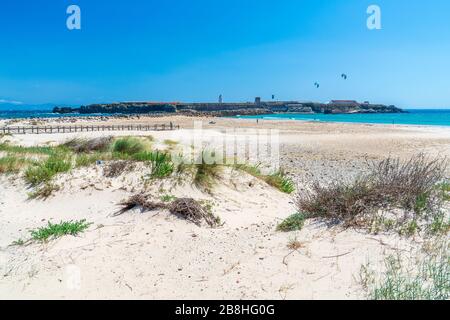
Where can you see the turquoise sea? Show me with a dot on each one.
(429, 117)
(433, 117)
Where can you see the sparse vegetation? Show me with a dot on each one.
(167, 198)
(53, 231)
(18, 242)
(391, 184)
(161, 163)
(185, 208)
(100, 144)
(444, 187)
(170, 143)
(44, 171)
(294, 244)
(45, 150)
(292, 223)
(277, 180)
(423, 278)
(44, 191)
(207, 172)
(12, 164)
(280, 181)
(116, 168)
(128, 146)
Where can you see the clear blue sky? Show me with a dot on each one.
(193, 50)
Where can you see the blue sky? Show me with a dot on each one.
(194, 50)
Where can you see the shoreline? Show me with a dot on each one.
(167, 116)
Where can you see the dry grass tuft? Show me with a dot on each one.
(116, 168)
(186, 208)
(410, 186)
(89, 145)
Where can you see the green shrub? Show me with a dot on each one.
(58, 230)
(27, 150)
(292, 223)
(444, 187)
(280, 181)
(12, 164)
(429, 279)
(46, 170)
(128, 146)
(44, 191)
(167, 198)
(390, 184)
(277, 180)
(161, 163)
(207, 173)
(100, 144)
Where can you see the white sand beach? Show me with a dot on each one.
(155, 255)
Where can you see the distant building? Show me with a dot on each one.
(257, 100)
(220, 99)
(345, 103)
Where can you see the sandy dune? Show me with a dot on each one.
(156, 255)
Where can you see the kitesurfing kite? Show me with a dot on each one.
(316, 84)
(344, 76)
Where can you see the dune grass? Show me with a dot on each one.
(101, 144)
(43, 172)
(424, 278)
(409, 186)
(53, 231)
(294, 222)
(207, 172)
(14, 149)
(128, 146)
(278, 180)
(169, 142)
(44, 191)
(444, 187)
(12, 164)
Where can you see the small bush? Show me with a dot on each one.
(390, 184)
(85, 160)
(280, 181)
(116, 168)
(169, 142)
(186, 208)
(58, 230)
(427, 279)
(128, 146)
(277, 180)
(26, 150)
(46, 170)
(162, 165)
(439, 225)
(292, 223)
(44, 192)
(444, 187)
(100, 144)
(12, 164)
(207, 171)
(167, 198)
